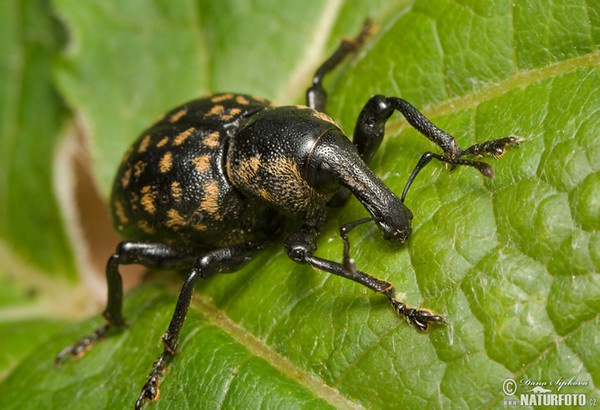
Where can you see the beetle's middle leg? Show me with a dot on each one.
(316, 96)
(226, 259)
(300, 246)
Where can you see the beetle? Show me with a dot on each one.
(208, 186)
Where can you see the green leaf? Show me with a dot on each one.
(512, 263)
(20, 330)
(31, 117)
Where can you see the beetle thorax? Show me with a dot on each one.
(266, 159)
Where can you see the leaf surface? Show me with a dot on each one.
(512, 263)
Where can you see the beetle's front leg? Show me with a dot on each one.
(370, 128)
(300, 246)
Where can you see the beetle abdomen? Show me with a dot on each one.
(171, 187)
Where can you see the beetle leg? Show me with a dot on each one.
(127, 253)
(426, 158)
(495, 148)
(316, 96)
(300, 246)
(370, 128)
(221, 260)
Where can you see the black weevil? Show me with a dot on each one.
(206, 187)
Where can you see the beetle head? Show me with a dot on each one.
(395, 222)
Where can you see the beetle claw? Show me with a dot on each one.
(151, 391)
(419, 317)
(79, 349)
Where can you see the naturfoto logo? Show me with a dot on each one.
(528, 392)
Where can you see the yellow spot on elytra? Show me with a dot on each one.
(222, 97)
(176, 192)
(200, 227)
(144, 144)
(182, 136)
(212, 141)
(145, 227)
(216, 110)
(120, 212)
(175, 220)
(240, 99)
(176, 116)
(202, 163)
(126, 177)
(138, 168)
(134, 200)
(166, 162)
(232, 113)
(210, 200)
(148, 197)
(162, 142)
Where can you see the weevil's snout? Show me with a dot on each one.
(335, 161)
(396, 224)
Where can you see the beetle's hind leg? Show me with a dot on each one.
(316, 96)
(300, 246)
(127, 253)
